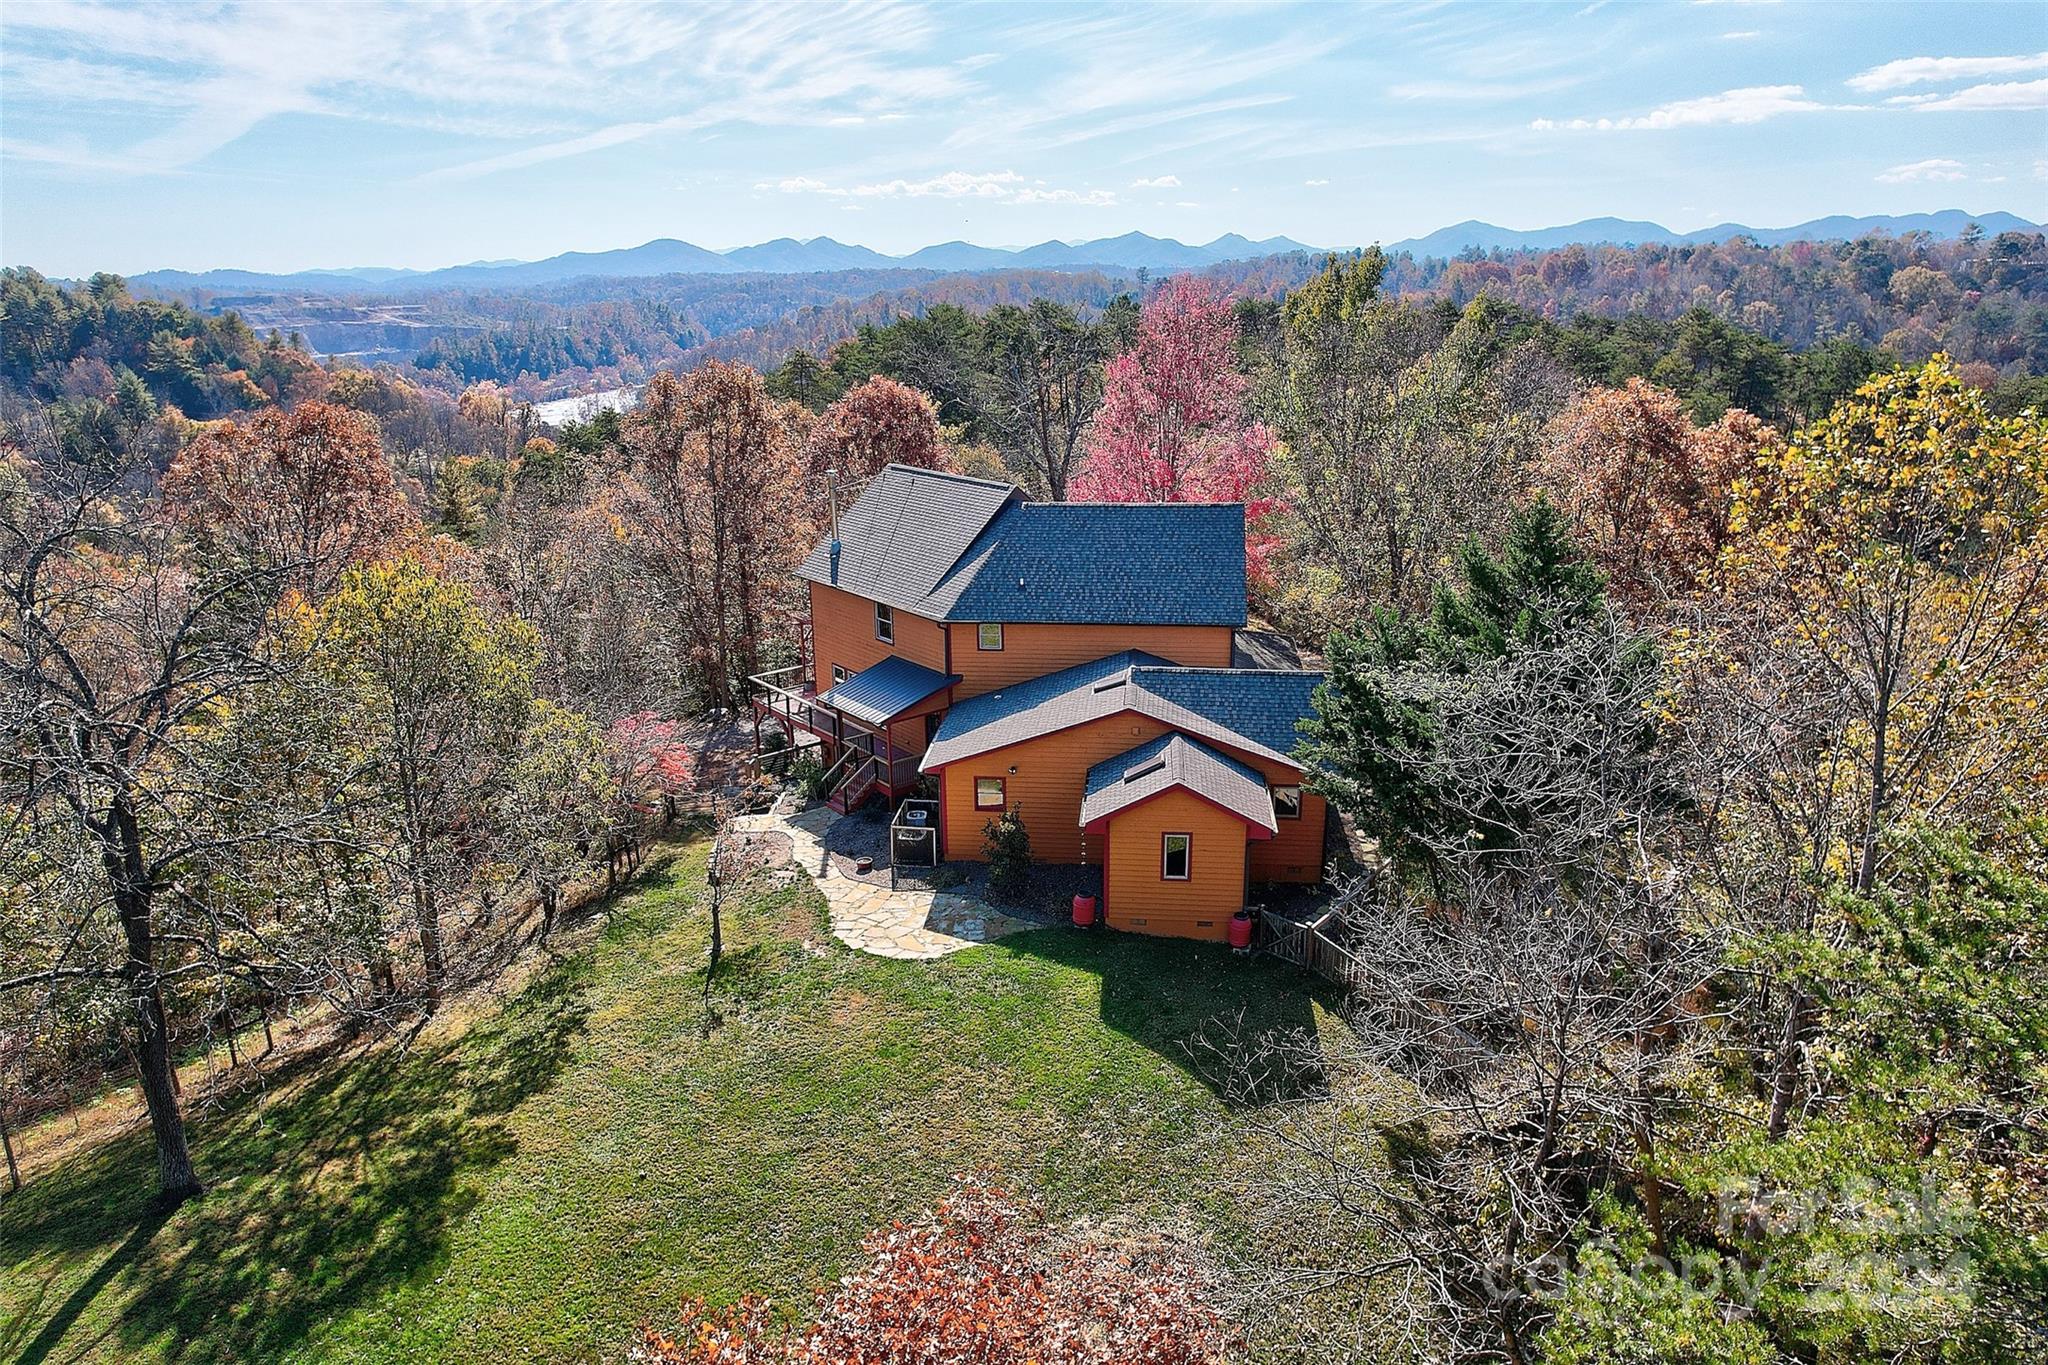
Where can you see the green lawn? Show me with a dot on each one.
(597, 1147)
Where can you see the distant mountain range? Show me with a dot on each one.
(1130, 252)
(1621, 231)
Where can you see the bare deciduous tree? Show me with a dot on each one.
(1043, 387)
(1530, 1005)
(1400, 438)
(118, 658)
(736, 854)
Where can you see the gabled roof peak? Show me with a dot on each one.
(1251, 710)
(925, 472)
(1175, 761)
(953, 547)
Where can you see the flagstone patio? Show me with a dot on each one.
(910, 924)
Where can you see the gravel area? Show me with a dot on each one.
(864, 833)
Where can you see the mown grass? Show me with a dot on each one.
(602, 1144)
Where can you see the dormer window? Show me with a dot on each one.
(989, 636)
(885, 623)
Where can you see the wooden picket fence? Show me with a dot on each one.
(1312, 944)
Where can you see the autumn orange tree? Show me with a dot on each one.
(982, 1279)
(1648, 493)
(712, 505)
(308, 491)
(878, 423)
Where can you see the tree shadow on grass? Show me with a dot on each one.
(341, 1187)
(1188, 1001)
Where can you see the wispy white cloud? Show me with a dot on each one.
(1157, 182)
(1751, 104)
(1742, 35)
(1204, 113)
(2001, 95)
(1936, 70)
(1315, 184)
(567, 78)
(1933, 168)
(1128, 70)
(1478, 91)
(1100, 199)
(1007, 186)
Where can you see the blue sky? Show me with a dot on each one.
(283, 136)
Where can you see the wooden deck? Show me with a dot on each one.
(861, 758)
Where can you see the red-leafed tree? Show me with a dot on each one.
(985, 1280)
(652, 762)
(307, 490)
(1173, 425)
(878, 423)
(652, 768)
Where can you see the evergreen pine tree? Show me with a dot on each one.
(457, 505)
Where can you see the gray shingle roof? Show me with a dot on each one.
(886, 689)
(1263, 705)
(1250, 709)
(1081, 563)
(1263, 649)
(956, 549)
(904, 532)
(1177, 761)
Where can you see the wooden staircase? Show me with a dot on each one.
(854, 787)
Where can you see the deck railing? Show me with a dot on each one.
(791, 703)
(883, 759)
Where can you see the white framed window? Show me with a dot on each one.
(1287, 803)
(838, 674)
(989, 636)
(988, 793)
(1176, 855)
(885, 623)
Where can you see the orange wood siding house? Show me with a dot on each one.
(1051, 776)
(843, 637)
(1031, 650)
(1188, 891)
(1060, 659)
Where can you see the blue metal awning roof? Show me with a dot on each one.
(886, 689)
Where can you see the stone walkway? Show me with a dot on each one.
(874, 919)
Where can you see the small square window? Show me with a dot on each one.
(1287, 803)
(885, 623)
(1175, 853)
(988, 793)
(989, 636)
(838, 675)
